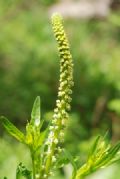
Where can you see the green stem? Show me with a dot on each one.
(33, 165)
(49, 158)
(36, 164)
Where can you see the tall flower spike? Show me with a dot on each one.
(56, 134)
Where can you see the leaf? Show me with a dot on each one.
(42, 137)
(62, 160)
(29, 134)
(102, 155)
(35, 115)
(65, 158)
(71, 159)
(23, 171)
(11, 129)
(110, 156)
(94, 146)
(41, 123)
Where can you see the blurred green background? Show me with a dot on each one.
(29, 66)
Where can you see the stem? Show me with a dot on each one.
(33, 164)
(36, 164)
(60, 116)
(49, 159)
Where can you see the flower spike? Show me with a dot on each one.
(56, 134)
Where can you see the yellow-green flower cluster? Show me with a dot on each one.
(66, 65)
(66, 77)
(56, 134)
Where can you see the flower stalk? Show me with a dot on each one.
(60, 117)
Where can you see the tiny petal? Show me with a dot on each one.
(56, 141)
(53, 159)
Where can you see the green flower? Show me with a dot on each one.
(60, 117)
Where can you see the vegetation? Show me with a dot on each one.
(45, 146)
(29, 67)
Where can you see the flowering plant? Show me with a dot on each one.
(45, 146)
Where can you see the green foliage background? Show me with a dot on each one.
(29, 66)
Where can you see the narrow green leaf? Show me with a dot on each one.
(116, 159)
(109, 157)
(42, 137)
(22, 171)
(35, 115)
(102, 155)
(41, 123)
(94, 146)
(71, 159)
(29, 134)
(62, 160)
(11, 129)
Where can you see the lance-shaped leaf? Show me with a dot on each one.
(94, 146)
(62, 160)
(35, 115)
(101, 155)
(42, 137)
(110, 156)
(11, 129)
(71, 159)
(22, 171)
(65, 158)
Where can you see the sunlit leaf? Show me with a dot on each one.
(72, 161)
(35, 115)
(42, 137)
(29, 134)
(11, 129)
(101, 156)
(109, 157)
(94, 146)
